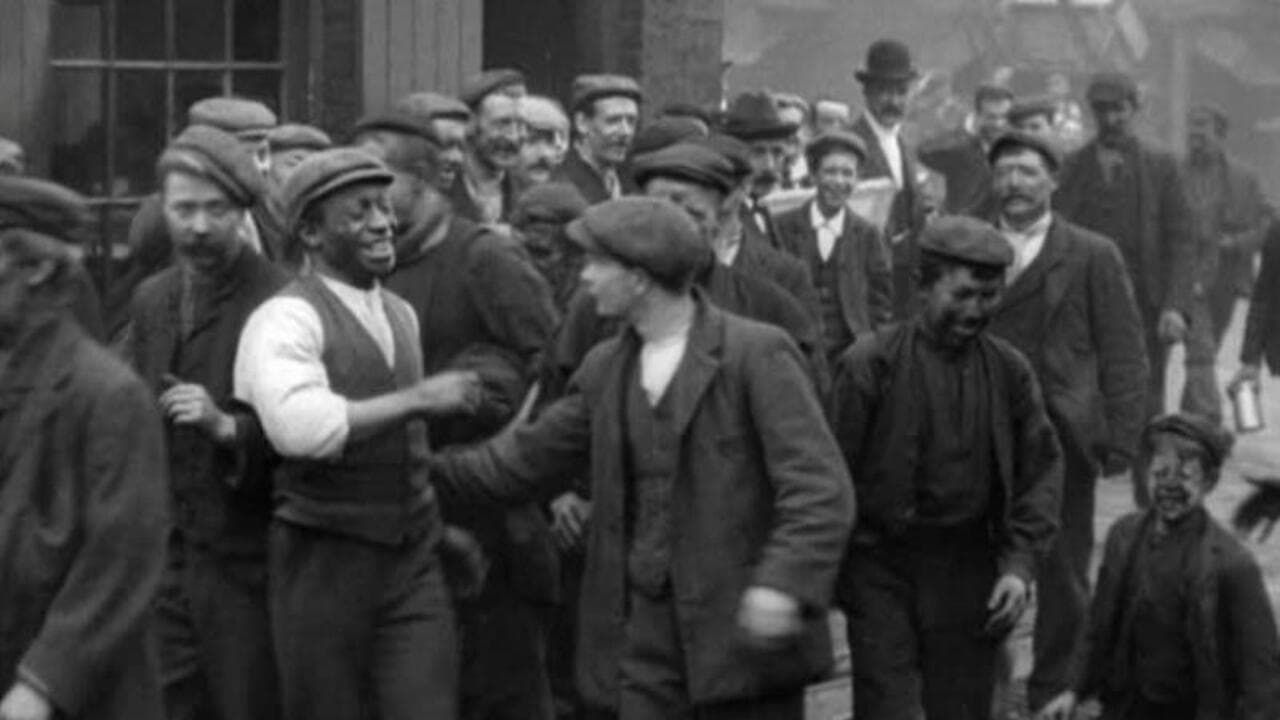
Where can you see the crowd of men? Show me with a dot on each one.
(509, 410)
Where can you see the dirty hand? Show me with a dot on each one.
(570, 514)
(769, 617)
(23, 702)
(190, 404)
(1008, 601)
(450, 391)
(1172, 328)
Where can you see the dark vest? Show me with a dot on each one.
(378, 490)
(835, 331)
(653, 451)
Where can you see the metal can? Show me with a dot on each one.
(1246, 407)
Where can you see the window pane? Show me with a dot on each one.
(140, 131)
(201, 29)
(257, 30)
(190, 86)
(77, 29)
(140, 30)
(77, 129)
(260, 85)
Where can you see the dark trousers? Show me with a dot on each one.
(916, 626)
(215, 637)
(652, 676)
(1062, 580)
(504, 656)
(1157, 360)
(1140, 708)
(564, 638)
(362, 631)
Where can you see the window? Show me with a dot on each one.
(123, 73)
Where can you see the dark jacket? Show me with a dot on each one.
(878, 421)
(1072, 313)
(1262, 328)
(1229, 624)
(82, 525)
(761, 498)
(466, 207)
(1167, 244)
(758, 256)
(575, 171)
(1238, 211)
(222, 495)
(865, 280)
(960, 158)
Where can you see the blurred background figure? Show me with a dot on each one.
(13, 161)
(448, 118)
(794, 109)
(547, 140)
(831, 114)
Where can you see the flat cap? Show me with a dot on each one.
(1026, 141)
(834, 141)
(241, 117)
(553, 202)
(1025, 108)
(397, 122)
(1112, 87)
(589, 88)
(543, 114)
(691, 162)
(486, 82)
(222, 159)
(967, 240)
(737, 152)
(648, 233)
(1216, 440)
(325, 173)
(295, 136)
(432, 105)
(44, 207)
(665, 132)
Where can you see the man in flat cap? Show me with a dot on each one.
(362, 622)
(1037, 116)
(288, 144)
(547, 143)
(1231, 219)
(1181, 623)
(606, 111)
(1122, 188)
(845, 254)
(665, 132)
(686, 391)
(489, 184)
(960, 155)
(540, 218)
(1069, 308)
(958, 475)
(449, 119)
(185, 321)
(83, 512)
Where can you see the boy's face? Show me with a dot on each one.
(1176, 479)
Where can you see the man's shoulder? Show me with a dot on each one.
(1081, 240)
(99, 373)
(153, 290)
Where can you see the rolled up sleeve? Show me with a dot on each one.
(280, 372)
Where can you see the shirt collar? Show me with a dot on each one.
(350, 292)
(1039, 228)
(835, 223)
(882, 132)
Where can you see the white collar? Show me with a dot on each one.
(881, 131)
(835, 223)
(1039, 228)
(351, 293)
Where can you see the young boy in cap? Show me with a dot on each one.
(1182, 627)
(215, 646)
(83, 512)
(361, 619)
(958, 475)
(606, 111)
(686, 392)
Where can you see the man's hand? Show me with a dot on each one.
(1059, 708)
(464, 560)
(1249, 373)
(1008, 602)
(770, 618)
(451, 391)
(189, 404)
(1172, 328)
(23, 702)
(570, 514)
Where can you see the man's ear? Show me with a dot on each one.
(580, 123)
(42, 271)
(309, 234)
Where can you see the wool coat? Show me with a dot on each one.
(1262, 329)
(760, 497)
(761, 257)
(83, 522)
(575, 171)
(1229, 624)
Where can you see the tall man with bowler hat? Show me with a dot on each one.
(686, 392)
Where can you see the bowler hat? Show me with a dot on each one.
(28, 203)
(1027, 141)
(754, 116)
(647, 233)
(691, 162)
(833, 141)
(887, 60)
(325, 173)
(589, 88)
(487, 82)
(244, 118)
(967, 240)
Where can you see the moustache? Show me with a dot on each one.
(502, 146)
(768, 177)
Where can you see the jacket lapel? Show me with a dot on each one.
(879, 164)
(1027, 286)
(29, 386)
(698, 368)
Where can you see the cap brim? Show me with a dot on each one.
(577, 232)
(366, 175)
(863, 76)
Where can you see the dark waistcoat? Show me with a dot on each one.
(653, 453)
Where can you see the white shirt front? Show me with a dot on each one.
(1027, 244)
(887, 137)
(659, 361)
(827, 229)
(279, 369)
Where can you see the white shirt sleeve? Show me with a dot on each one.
(280, 372)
